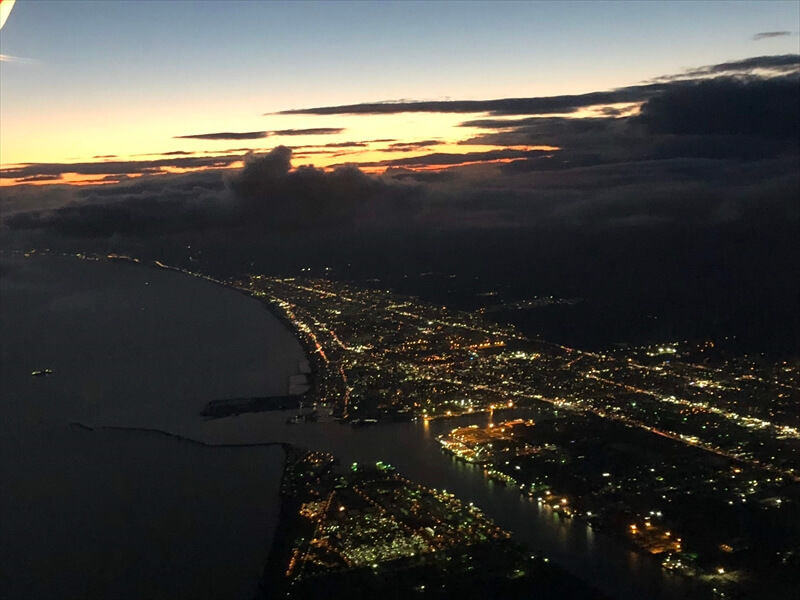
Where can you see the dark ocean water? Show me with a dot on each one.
(116, 514)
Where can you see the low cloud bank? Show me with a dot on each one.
(708, 151)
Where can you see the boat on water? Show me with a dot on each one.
(363, 422)
(41, 372)
(302, 418)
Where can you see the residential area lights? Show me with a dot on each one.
(686, 421)
(383, 356)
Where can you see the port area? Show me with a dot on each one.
(365, 531)
(651, 492)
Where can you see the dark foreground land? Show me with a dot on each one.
(367, 532)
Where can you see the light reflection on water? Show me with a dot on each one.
(413, 449)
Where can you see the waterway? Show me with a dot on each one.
(412, 447)
(137, 347)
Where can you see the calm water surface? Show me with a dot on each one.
(122, 514)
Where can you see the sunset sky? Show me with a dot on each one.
(85, 82)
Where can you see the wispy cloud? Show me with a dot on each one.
(550, 105)
(778, 64)
(764, 35)
(409, 146)
(255, 135)
(311, 131)
(502, 106)
(225, 135)
(7, 58)
(443, 159)
(116, 167)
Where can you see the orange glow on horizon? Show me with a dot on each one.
(372, 159)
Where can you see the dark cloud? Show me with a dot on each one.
(266, 195)
(177, 153)
(143, 208)
(152, 184)
(504, 123)
(409, 146)
(401, 174)
(746, 118)
(725, 106)
(419, 144)
(669, 194)
(225, 135)
(770, 34)
(789, 63)
(311, 153)
(255, 135)
(504, 106)
(311, 198)
(346, 145)
(701, 153)
(35, 178)
(116, 178)
(309, 131)
(231, 150)
(116, 167)
(782, 63)
(137, 218)
(611, 111)
(445, 158)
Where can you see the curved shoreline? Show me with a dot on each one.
(310, 356)
(308, 350)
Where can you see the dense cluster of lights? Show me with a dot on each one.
(383, 354)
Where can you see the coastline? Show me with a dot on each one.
(308, 350)
(311, 357)
(273, 577)
(86, 466)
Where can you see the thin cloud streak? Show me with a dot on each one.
(783, 64)
(500, 106)
(565, 104)
(225, 135)
(310, 131)
(7, 58)
(450, 159)
(770, 34)
(255, 135)
(117, 167)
